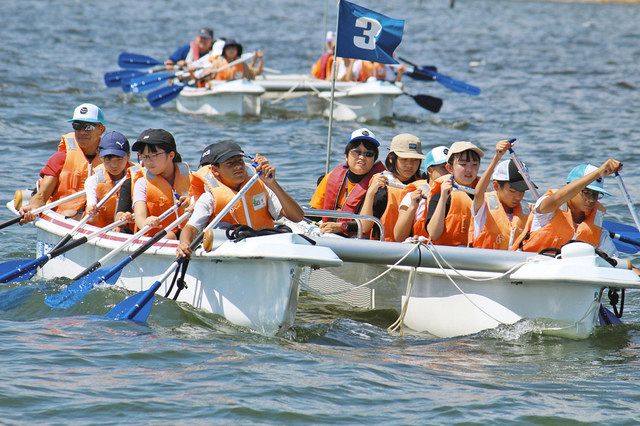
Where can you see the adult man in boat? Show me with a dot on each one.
(265, 201)
(202, 45)
(322, 67)
(115, 152)
(345, 187)
(67, 169)
(498, 216)
(163, 181)
(572, 212)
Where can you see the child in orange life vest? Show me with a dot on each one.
(162, 182)
(264, 202)
(232, 51)
(571, 212)
(498, 217)
(449, 212)
(114, 151)
(386, 189)
(414, 203)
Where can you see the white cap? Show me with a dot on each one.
(364, 134)
(88, 113)
(330, 36)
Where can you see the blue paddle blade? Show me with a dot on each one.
(448, 82)
(134, 61)
(15, 297)
(146, 82)
(136, 307)
(624, 247)
(621, 228)
(20, 270)
(117, 78)
(165, 94)
(79, 289)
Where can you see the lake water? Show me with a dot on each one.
(562, 78)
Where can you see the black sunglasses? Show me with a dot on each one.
(81, 125)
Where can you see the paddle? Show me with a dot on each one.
(134, 61)
(448, 82)
(166, 94)
(87, 279)
(44, 208)
(427, 102)
(627, 198)
(146, 82)
(137, 307)
(418, 73)
(85, 219)
(24, 269)
(116, 78)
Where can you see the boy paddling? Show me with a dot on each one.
(498, 217)
(572, 212)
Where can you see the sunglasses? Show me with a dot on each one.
(79, 125)
(357, 153)
(591, 194)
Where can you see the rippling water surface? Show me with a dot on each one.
(562, 78)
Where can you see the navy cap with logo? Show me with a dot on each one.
(114, 143)
(220, 152)
(206, 32)
(363, 134)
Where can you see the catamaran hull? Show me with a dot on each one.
(253, 283)
(239, 97)
(561, 296)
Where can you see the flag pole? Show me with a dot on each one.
(333, 89)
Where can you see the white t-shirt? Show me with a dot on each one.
(140, 191)
(204, 208)
(542, 219)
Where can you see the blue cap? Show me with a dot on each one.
(583, 170)
(114, 143)
(436, 156)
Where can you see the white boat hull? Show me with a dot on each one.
(239, 97)
(253, 283)
(562, 296)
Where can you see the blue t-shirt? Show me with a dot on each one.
(181, 53)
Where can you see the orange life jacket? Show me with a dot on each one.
(561, 229)
(458, 219)
(161, 196)
(107, 212)
(337, 181)
(235, 72)
(199, 179)
(74, 172)
(390, 215)
(366, 70)
(498, 229)
(322, 67)
(252, 209)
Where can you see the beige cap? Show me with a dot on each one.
(461, 146)
(406, 145)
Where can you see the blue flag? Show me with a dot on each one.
(365, 34)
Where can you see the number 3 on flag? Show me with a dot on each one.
(371, 30)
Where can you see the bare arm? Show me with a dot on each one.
(481, 188)
(48, 185)
(187, 235)
(377, 181)
(406, 215)
(552, 202)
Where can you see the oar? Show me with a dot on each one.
(23, 269)
(137, 307)
(146, 82)
(427, 102)
(448, 82)
(87, 279)
(523, 171)
(418, 73)
(116, 78)
(85, 219)
(135, 61)
(166, 94)
(627, 198)
(46, 207)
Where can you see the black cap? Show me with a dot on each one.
(220, 152)
(507, 171)
(156, 137)
(232, 42)
(206, 32)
